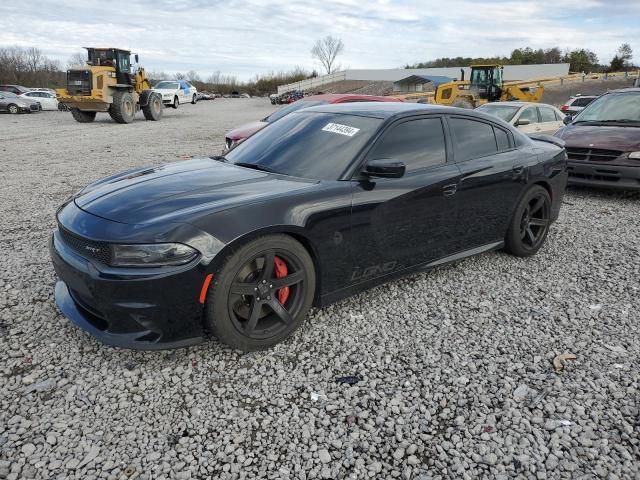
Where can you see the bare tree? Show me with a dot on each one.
(326, 50)
(193, 76)
(77, 59)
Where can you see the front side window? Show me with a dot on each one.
(417, 143)
(529, 114)
(472, 139)
(504, 112)
(315, 145)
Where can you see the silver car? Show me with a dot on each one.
(12, 103)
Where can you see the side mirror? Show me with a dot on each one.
(384, 168)
(567, 119)
(523, 121)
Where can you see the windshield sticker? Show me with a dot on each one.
(341, 129)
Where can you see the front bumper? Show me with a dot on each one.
(604, 175)
(150, 310)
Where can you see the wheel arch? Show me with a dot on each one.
(546, 185)
(297, 233)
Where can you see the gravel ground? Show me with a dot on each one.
(455, 366)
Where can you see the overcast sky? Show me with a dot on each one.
(245, 37)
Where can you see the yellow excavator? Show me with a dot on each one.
(106, 84)
(485, 85)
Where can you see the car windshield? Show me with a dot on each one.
(312, 145)
(300, 104)
(612, 108)
(504, 112)
(167, 85)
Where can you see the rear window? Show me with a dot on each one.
(581, 102)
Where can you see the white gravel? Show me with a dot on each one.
(456, 365)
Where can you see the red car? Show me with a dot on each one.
(239, 134)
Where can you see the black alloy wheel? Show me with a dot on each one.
(262, 293)
(530, 223)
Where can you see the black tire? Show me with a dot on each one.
(154, 108)
(244, 306)
(530, 223)
(83, 117)
(123, 108)
(194, 99)
(176, 103)
(13, 109)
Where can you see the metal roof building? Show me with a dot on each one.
(419, 83)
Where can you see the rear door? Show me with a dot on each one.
(402, 222)
(491, 180)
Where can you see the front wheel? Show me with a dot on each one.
(261, 294)
(13, 109)
(530, 223)
(176, 102)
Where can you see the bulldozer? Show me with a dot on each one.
(485, 85)
(106, 84)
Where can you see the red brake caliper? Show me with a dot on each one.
(281, 271)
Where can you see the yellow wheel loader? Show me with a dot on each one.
(485, 85)
(106, 84)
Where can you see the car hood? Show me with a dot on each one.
(245, 130)
(180, 191)
(626, 139)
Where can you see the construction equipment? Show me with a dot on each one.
(106, 84)
(485, 85)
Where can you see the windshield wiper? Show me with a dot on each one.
(255, 166)
(622, 120)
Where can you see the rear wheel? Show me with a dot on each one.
(261, 294)
(153, 109)
(194, 99)
(83, 117)
(530, 223)
(13, 109)
(123, 108)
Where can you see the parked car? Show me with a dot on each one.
(46, 99)
(527, 117)
(326, 202)
(576, 104)
(603, 141)
(239, 134)
(12, 103)
(205, 96)
(175, 92)
(17, 89)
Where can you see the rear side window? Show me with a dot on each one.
(581, 102)
(547, 115)
(502, 139)
(417, 143)
(472, 139)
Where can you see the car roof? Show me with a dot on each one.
(382, 109)
(517, 104)
(336, 97)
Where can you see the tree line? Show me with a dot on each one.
(579, 59)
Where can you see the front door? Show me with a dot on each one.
(401, 222)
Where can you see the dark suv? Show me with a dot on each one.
(603, 141)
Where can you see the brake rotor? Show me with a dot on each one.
(281, 272)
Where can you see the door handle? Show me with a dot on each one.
(449, 190)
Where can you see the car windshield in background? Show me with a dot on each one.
(8, 94)
(612, 108)
(299, 105)
(312, 145)
(503, 112)
(167, 86)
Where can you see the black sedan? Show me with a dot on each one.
(327, 202)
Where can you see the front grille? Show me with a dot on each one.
(79, 82)
(592, 154)
(87, 248)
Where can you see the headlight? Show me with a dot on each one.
(635, 155)
(152, 255)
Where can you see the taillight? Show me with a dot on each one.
(564, 108)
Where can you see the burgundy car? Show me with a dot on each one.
(603, 141)
(239, 134)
